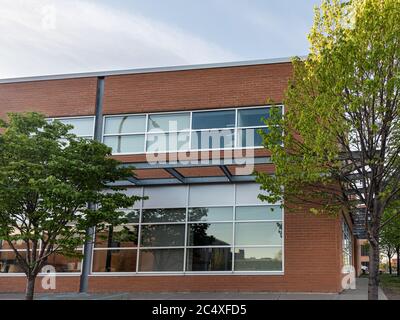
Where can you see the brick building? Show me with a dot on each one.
(203, 227)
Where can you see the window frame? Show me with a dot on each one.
(191, 131)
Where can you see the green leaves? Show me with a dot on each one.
(47, 179)
(343, 98)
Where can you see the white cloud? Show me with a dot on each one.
(47, 36)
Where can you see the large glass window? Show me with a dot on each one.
(214, 229)
(185, 131)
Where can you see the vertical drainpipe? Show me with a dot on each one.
(88, 248)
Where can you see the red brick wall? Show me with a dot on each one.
(196, 89)
(71, 97)
(312, 264)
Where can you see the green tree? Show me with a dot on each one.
(390, 236)
(340, 130)
(47, 179)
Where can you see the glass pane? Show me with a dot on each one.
(250, 138)
(117, 236)
(125, 144)
(163, 235)
(218, 139)
(209, 259)
(169, 122)
(168, 142)
(125, 124)
(165, 260)
(133, 216)
(211, 195)
(259, 213)
(82, 127)
(114, 260)
(259, 233)
(252, 117)
(210, 234)
(258, 259)
(64, 264)
(213, 120)
(165, 197)
(164, 215)
(210, 214)
(8, 262)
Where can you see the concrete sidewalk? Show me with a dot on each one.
(361, 293)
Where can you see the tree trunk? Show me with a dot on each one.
(398, 261)
(373, 284)
(390, 264)
(30, 287)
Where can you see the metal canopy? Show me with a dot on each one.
(177, 178)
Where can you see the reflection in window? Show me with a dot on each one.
(259, 213)
(210, 234)
(250, 137)
(215, 139)
(117, 236)
(258, 259)
(252, 117)
(161, 142)
(169, 122)
(168, 235)
(125, 144)
(114, 260)
(164, 215)
(125, 124)
(209, 259)
(211, 214)
(164, 260)
(8, 262)
(258, 233)
(213, 120)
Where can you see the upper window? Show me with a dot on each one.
(213, 120)
(169, 122)
(185, 131)
(82, 127)
(125, 124)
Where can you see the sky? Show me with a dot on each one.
(44, 37)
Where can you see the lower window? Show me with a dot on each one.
(209, 259)
(161, 260)
(114, 260)
(258, 259)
